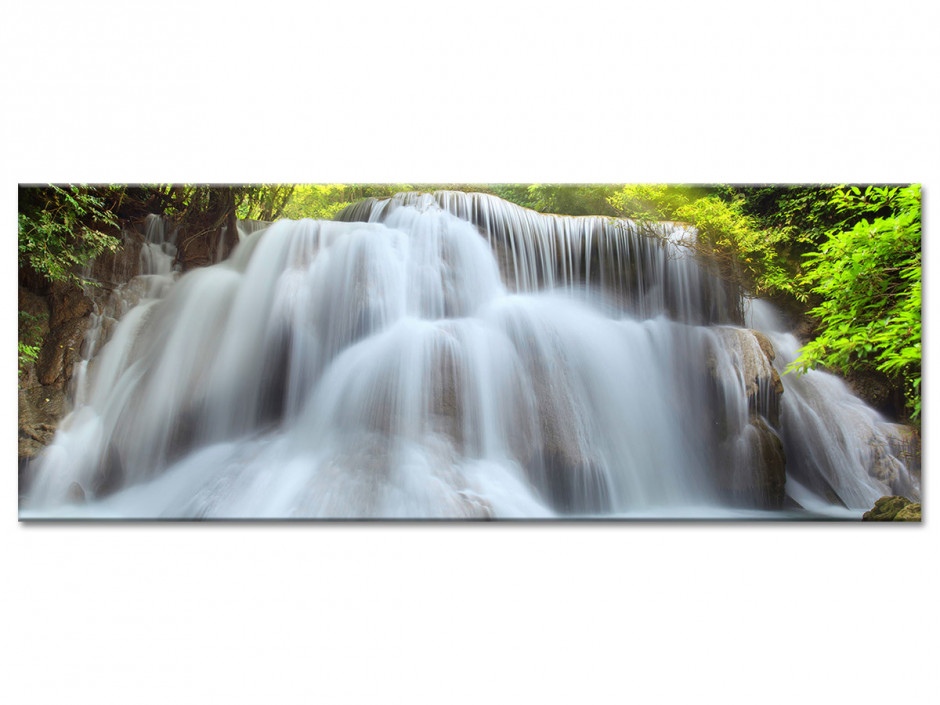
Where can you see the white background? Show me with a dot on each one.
(802, 91)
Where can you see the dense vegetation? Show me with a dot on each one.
(852, 256)
(848, 256)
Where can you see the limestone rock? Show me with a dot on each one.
(751, 463)
(60, 351)
(67, 302)
(752, 354)
(752, 467)
(765, 345)
(75, 494)
(904, 442)
(115, 268)
(771, 475)
(40, 409)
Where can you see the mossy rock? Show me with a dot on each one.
(887, 508)
(910, 513)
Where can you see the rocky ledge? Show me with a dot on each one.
(893, 508)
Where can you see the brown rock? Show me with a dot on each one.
(115, 268)
(904, 442)
(40, 409)
(60, 351)
(67, 301)
(34, 305)
(756, 354)
(198, 250)
(765, 345)
(761, 478)
(75, 494)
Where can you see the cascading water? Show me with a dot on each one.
(454, 355)
(155, 272)
(836, 446)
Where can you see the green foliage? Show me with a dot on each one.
(650, 201)
(28, 353)
(324, 201)
(30, 338)
(868, 278)
(854, 253)
(724, 230)
(318, 201)
(804, 214)
(264, 202)
(562, 199)
(65, 230)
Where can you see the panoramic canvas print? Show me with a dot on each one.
(470, 351)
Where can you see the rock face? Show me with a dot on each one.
(40, 408)
(42, 392)
(115, 268)
(60, 351)
(751, 467)
(64, 311)
(893, 508)
(904, 443)
(769, 480)
(60, 314)
(205, 247)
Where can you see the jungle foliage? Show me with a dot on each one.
(63, 229)
(850, 254)
(868, 280)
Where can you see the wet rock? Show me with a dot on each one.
(753, 355)
(445, 404)
(751, 463)
(771, 475)
(63, 320)
(67, 302)
(110, 474)
(904, 443)
(877, 391)
(40, 409)
(887, 509)
(884, 466)
(60, 351)
(471, 506)
(115, 268)
(752, 468)
(24, 476)
(765, 345)
(198, 250)
(75, 494)
(562, 466)
(576, 484)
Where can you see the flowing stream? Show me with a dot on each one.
(452, 355)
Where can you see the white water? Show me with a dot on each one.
(835, 443)
(453, 356)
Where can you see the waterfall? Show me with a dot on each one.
(452, 355)
(144, 280)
